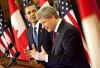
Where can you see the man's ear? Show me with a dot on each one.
(25, 16)
(52, 16)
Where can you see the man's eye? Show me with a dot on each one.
(43, 22)
(33, 10)
(29, 13)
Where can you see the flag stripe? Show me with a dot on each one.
(1, 53)
(7, 38)
(8, 33)
(12, 52)
(73, 15)
(2, 48)
(2, 43)
(66, 18)
(73, 21)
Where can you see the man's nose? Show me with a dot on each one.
(32, 14)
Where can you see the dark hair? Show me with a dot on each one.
(28, 4)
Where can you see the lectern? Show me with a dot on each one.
(20, 63)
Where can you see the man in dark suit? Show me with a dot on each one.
(67, 50)
(43, 37)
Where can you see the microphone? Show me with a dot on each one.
(13, 59)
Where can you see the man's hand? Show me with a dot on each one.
(30, 52)
(42, 56)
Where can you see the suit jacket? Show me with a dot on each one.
(68, 50)
(44, 38)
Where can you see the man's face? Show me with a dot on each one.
(48, 24)
(36, 1)
(30, 13)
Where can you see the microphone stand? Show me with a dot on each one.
(13, 59)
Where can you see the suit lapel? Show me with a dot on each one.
(59, 35)
(58, 38)
(58, 41)
(30, 35)
(40, 35)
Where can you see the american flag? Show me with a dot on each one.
(5, 35)
(66, 12)
(64, 7)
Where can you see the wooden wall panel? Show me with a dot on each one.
(4, 5)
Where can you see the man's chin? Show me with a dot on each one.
(34, 21)
(49, 30)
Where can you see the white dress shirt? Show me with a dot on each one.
(37, 27)
(58, 24)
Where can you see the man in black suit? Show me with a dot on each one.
(43, 37)
(67, 50)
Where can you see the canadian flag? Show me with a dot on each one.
(91, 25)
(19, 29)
(43, 3)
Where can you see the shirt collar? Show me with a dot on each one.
(37, 26)
(58, 24)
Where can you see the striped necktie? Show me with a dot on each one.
(35, 37)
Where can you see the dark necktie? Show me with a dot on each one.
(53, 38)
(35, 37)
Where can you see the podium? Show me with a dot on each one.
(19, 63)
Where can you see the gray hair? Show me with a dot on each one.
(46, 12)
